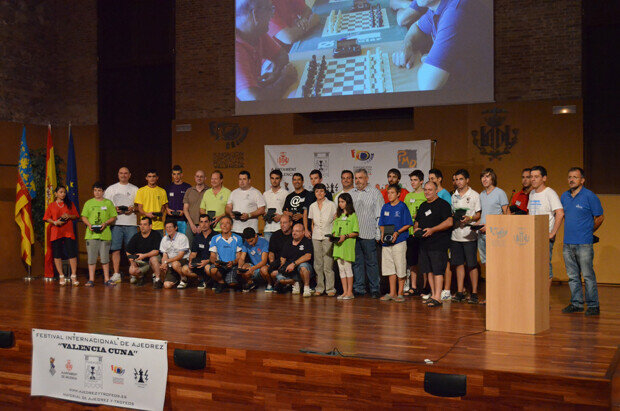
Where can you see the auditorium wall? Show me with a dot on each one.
(556, 141)
(86, 142)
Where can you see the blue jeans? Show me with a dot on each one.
(365, 265)
(551, 244)
(578, 260)
(121, 234)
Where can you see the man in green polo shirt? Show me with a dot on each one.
(413, 201)
(215, 198)
(98, 214)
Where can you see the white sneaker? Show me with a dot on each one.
(445, 295)
(133, 279)
(307, 293)
(426, 296)
(296, 288)
(269, 289)
(116, 278)
(407, 286)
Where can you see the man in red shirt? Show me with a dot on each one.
(253, 46)
(291, 21)
(518, 202)
(393, 177)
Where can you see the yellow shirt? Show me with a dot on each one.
(217, 203)
(152, 200)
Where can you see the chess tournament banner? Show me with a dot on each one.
(331, 159)
(99, 369)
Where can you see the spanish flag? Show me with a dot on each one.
(23, 201)
(50, 184)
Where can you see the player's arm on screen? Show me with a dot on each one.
(412, 43)
(399, 4)
(431, 77)
(407, 16)
(272, 91)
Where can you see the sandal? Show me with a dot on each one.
(434, 303)
(110, 283)
(410, 292)
(74, 281)
(62, 280)
(89, 284)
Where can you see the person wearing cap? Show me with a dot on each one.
(225, 252)
(254, 256)
(245, 204)
(174, 248)
(144, 247)
(322, 213)
(199, 253)
(152, 200)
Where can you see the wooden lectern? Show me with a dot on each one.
(517, 280)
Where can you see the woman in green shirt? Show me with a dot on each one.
(346, 228)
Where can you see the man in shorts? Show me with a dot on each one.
(254, 256)
(174, 248)
(200, 254)
(225, 253)
(143, 253)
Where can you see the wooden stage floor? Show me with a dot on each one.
(575, 347)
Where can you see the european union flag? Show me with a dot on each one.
(72, 180)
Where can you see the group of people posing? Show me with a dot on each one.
(209, 236)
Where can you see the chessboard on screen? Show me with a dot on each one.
(366, 74)
(339, 23)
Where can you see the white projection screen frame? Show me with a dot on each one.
(469, 69)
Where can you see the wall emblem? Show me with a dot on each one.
(495, 139)
(231, 133)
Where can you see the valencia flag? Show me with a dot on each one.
(23, 201)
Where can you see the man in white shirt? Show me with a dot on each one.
(245, 205)
(322, 213)
(346, 179)
(174, 248)
(463, 246)
(544, 200)
(122, 194)
(274, 198)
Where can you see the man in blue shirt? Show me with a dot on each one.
(583, 215)
(460, 35)
(225, 251)
(254, 259)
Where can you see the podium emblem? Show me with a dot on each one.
(521, 237)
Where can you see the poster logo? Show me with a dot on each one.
(52, 366)
(321, 163)
(283, 159)
(117, 373)
(93, 377)
(68, 365)
(141, 377)
(407, 158)
(495, 139)
(361, 155)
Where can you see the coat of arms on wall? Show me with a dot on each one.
(231, 133)
(495, 139)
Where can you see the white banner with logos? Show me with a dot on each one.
(377, 158)
(99, 369)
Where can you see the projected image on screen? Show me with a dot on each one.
(318, 55)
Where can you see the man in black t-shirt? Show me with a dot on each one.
(199, 252)
(433, 222)
(295, 262)
(296, 203)
(145, 247)
(276, 243)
